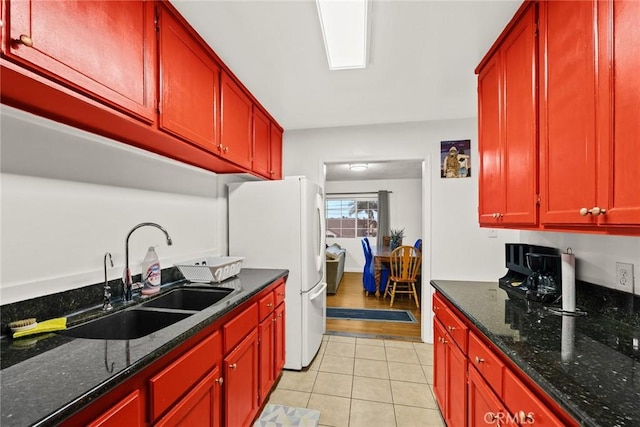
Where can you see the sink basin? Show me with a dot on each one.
(189, 298)
(125, 325)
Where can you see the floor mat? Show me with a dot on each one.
(371, 314)
(287, 416)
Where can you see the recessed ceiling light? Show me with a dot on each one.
(358, 167)
(345, 27)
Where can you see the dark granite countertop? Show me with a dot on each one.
(589, 364)
(48, 380)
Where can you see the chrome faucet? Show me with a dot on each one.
(106, 303)
(126, 279)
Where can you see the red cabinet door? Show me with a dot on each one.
(280, 342)
(104, 49)
(266, 339)
(456, 388)
(440, 366)
(507, 97)
(568, 112)
(276, 152)
(519, 123)
(241, 382)
(523, 403)
(485, 409)
(129, 411)
(261, 143)
(619, 111)
(235, 123)
(189, 86)
(491, 191)
(201, 407)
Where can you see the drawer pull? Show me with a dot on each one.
(269, 305)
(479, 360)
(451, 328)
(274, 320)
(25, 40)
(596, 211)
(233, 366)
(220, 380)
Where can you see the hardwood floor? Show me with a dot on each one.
(351, 294)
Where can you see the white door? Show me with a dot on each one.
(312, 234)
(313, 322)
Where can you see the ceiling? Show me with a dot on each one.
(421, 60)
(421, 63)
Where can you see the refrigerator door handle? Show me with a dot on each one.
(321, 231)
(319, 293)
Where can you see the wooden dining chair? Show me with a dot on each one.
(405, 264)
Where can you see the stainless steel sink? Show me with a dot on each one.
(189, 298)
(124, 325)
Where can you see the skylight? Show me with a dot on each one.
(344, 25)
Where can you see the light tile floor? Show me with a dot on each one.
(362, 382)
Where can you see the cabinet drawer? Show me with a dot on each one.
(238, 328)
(265, 305)
(280, 292)
(519, 400)
(454, 326)
(179, 377)
(489, 366)
(126, 412)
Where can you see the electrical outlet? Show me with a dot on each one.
(624, 275)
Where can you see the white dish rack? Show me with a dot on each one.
(211, 269)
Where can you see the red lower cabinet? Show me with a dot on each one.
(266, 333)
(201, 407)
(241, 382)
(219, 377)
(280, 340)
(481, 387)
(450, 378)
(485, 408)
(129, 411)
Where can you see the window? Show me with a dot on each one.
(353, 217)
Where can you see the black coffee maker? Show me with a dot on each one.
(544, 282)
(533, 272)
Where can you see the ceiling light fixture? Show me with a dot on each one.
(345, 30)
(357, 167)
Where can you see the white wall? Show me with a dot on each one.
(405, 211)
(69, 196)
(454, 245)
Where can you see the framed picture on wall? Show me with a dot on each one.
(455, 159)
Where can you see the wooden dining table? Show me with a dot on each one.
(380, 256)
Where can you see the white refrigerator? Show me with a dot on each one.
(280, 224)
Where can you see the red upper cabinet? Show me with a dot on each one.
(276, 152)
(267, 146)
(568, 111)
(508, 129)
(189, 86)
(619, 110)
(103, 49)
(235, 123)
(261, 142)
(491, 200)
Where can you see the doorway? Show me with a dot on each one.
(404, 179)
